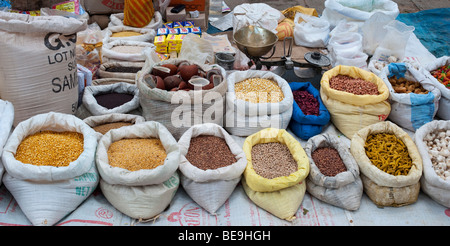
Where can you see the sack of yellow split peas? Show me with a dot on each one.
(389, 162)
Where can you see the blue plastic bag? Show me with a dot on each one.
(306, 126)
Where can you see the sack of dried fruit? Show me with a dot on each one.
(103, 123)
(137, 165)
(354, 97)
(6, 121)
(438, 72)
(211, 165)
(334, 174)
(49, 163)
(389, 162)
(277, 167)
(257, 100)
(413, 97)
(433, 141)
(167, 96)
(309, 114)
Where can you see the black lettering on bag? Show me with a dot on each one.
(53, 41)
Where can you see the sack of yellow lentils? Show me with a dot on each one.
(276, 169)
(155, 23)
(128, 33)
(354, 97)
(390, 164)
(49, 161)
(137, 166)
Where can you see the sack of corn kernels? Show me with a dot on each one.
(137, 166)
(334, 173)
(211, 165)
(6, 121)
(256, 100)
(49, 163)
(38, 69)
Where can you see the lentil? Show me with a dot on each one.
(328, 160)
(388, 153)
(50, 148)
(209, 152)
(112, 100)
(355, 86)
(125, 34)
(104, 128)
(258, 90)
(123, 69)
(136, 153)
(307, 102)
(272, 160)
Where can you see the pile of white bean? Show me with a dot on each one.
(438, 143)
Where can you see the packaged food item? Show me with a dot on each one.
(162, 31)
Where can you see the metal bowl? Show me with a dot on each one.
(255, 41)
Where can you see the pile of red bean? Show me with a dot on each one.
(355, 86)
(209, 152)
(307, 102)
(328, 160)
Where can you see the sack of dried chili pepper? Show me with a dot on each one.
(439, 73)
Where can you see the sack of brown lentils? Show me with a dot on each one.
(49, 161)
(354, 97)
(137, 166)
(334, 174)
(257, 100)
(389, 162)
(121, 70)
(276, 169)
(103, 123)
(211, 165)
(6, 121)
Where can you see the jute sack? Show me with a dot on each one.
(280, 196)
(343, 190)
(145, 193)
(46, 194)
(350, 112)
(382, 188)
(210, 188)
(38, 71)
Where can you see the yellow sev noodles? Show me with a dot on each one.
(388, 153)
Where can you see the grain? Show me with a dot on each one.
(306, 102)
(328, 160)
(209, 152)
(258, 90)
(355, 86)
(125, 34)
(50, 148)
(136, 153)
(128, 49)
(272, 160)
(104, 128)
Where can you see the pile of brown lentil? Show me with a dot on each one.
(113, 99)
(258, 90)
(104, 128)
(136, 153)
(209, 152)
(355, 86)
(328, 160)
(272, 160)
(50, 148)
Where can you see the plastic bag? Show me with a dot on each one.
(196, 49)
(373, 31)
(311, 32)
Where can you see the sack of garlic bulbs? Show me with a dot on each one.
(433, 142)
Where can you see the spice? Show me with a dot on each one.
(125, 34)
(402, 85)
(258, 90)
(307, 102)
(442, 74)
(388, 153)
(123, 69)
(209, 152)
(136, 153)
(104, 128)
(355, 86)
(128, 49)
(50, 148)
(112, 100)
(272, 160)
(328, 160)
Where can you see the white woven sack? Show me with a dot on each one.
(432, 185)
(94, 108)
(245, 118)
(46, 194)
(210, 188)
(109, 55)
(147, 35)
(97, 120)
(343, 190)
(311, 32)
(155, 23)
(444, 103)
(6, 121)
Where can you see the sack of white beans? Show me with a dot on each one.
(334, 174)
(45, 192)
(6, 121)
(209, 173)
(141, 193)
(433, 142)
(103, 123)
(277, 167)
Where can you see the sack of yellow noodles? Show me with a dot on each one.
(389, 162)
(278, 192)
(138, 13)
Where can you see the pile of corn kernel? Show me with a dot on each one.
(258, 90)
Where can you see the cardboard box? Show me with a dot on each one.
(191, 5)
(103, 6)
(181, 16)
(200, 21)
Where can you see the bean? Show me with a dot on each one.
(104, 128)
(50, 148)
(113, 100)
(258, 90)
(272, 160)
(355, 86)
(307, 102)
(209, 152)
(328, 160)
